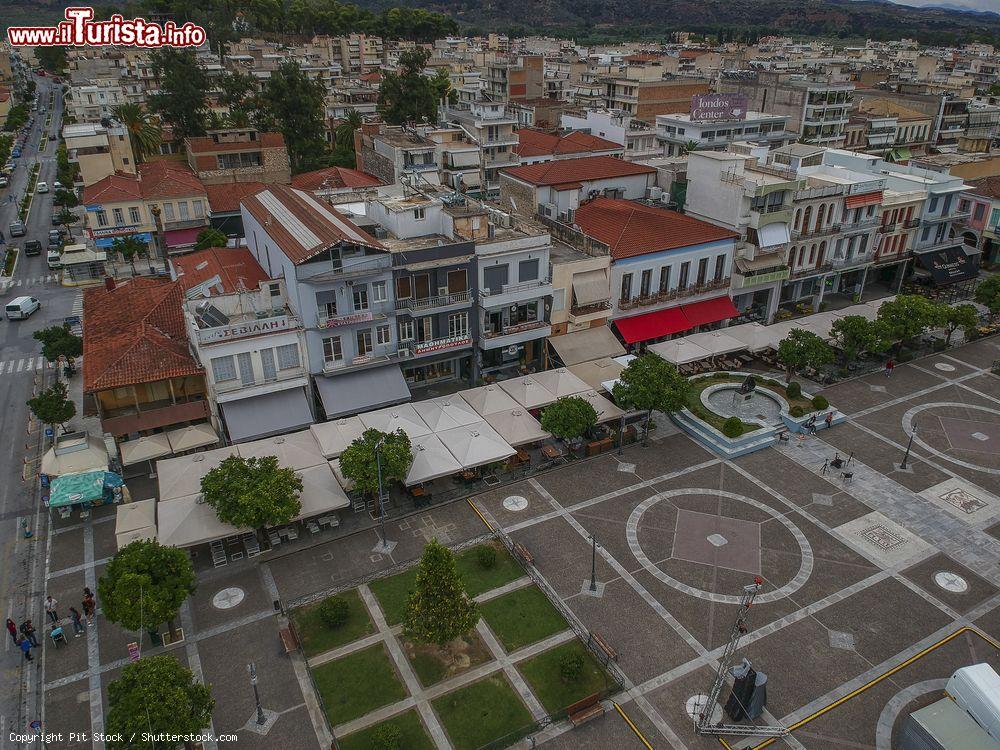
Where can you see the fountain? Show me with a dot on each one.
(761, 406)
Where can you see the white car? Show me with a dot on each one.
(43, 187)
(57, 185)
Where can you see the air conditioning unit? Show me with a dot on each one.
(442, 291)
(653, 193)
(381, 233)
(562, 216)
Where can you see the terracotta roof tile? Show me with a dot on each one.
(333, 178)
(630, 228)
(539, 143)
(988, 187)
(584, 169)
(235, 266)
(225, 198)
(168, 179)
(115, 188)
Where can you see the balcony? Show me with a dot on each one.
(349, 268)
(365, 361)
(673, 294)
(859, 226)
(586, 313)
(420, 167)
(435, 346)
(428, 304)
(232, 390)
(911, 223)
(770, 215)
(511, 293)
(373, 315)
(506, 159)
(744, 282)
(855, 261)
(814, 232)
(515, 334)
(154, 417)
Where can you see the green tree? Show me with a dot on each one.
(988, 294)
(803, 349)
(909, 315)
(441, 85)
(649, 384)
(406, 94)
(154, 698)
(294, 104)
(253, 492)
(53, 59)
(238, 92)
(210, 237)
(128, 249)
(183, 87)
(964, 316)
(65, 197)
(855, 334)
(53, 405)
(569, 417)
(358, 462)
(59, 341)
(438, 610)
(144, 132)
(67, 219)
(145, 585)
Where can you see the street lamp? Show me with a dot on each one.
(621, 435)
(906, 456)
(261, 719)
(381, 504)
(593, 563)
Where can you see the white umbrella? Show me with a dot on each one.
(347, 484)
(716, 342)
(431, 460)
(191, 437)
(561, 382)
(401, 417)
(75, 456)
(446, 412)
(605, 408)
(754, 336)
(476, 445)
(181, 476)
(321, 492)
(127, 537)
(137, 515)
(334, 436)
(146, 448)
(489, 399)
(679, 351)
(297, 450)
(528, 392)
(517, 427)
(598, 371)
(187, 521)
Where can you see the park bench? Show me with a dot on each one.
(584, 710)
(604, 646)
(523, 553)
(288, 638)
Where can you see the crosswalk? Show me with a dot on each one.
(23, 365)
(50, 278)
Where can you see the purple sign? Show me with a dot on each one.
(718, 107)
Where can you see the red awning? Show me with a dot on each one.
(182, 237)
(864, 199)
(652, 325)
(709, 311)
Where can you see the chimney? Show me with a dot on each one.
(109, 283)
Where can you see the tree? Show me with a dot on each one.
(569, 417)
(53, 59)
(649, 384)
(295, 104)
(65, 197)
(358, 462)
(154, 698)
(855, 334)
(210, 237)
(183, 87)
(988, 294)
(909, 315)
(406, 94)
(128, 249)
(144, 132)
(438, 610)
(67, 218)
(803, 349)
(145, 585)
(53, 405)
(441, 85)
(59, 341)
(253, 492)
(238, 93)
(964, 316)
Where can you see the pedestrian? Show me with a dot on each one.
(12, 629)
(26, 649)
(50, 608)
(28, 631)
(78, 628)
(810, 425)
(89, 606)
(889, 367)
(829, 420)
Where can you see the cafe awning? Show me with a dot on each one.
(181, 476)
(709, 311)
(146, 448)
(182, 237)
(362, 390)
(561, 382)
(75, 489)
(187, 521)
(517, 427)
(717, 342)
(83, 453)
(488, 399)
(652, 325)
(679, 351)
(770, 235)
(583, 346)
(476, 445)
(528, 392)
(267, 414)
(754, 336)
(949, 265)
(605, 408)
(446, 412)
(590, 287)
(431, 460)
(137, 515)
(598, 371)
(400, 417)
(321, 492)
(191, 437)
(334, 436)
(297, 450)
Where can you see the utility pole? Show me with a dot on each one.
(252, 668)
(593, 563)
(906, 456)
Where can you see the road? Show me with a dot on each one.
(21, 368)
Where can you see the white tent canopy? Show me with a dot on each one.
(76, 455)
(605, 408)
(489, 399)
(561, 382)
(754, 336)
(401, 417)
(476, 444)
(865, 311)
(528, 392)
(187, 521)
(517, 427)
(181, 476)
(446, 412)
(191, 437)
(680, 351)
(137, 515)
(127, 537)
(146, 448)
(347, 484)
(431, 460)
(716, 342)
(333, 437)
(297, 450)
(321, 492)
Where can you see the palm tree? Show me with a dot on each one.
(143, 130)
(690, 146)
(345, 131)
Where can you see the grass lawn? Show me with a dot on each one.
(413, 733)
(433, 664)
(482, 712)
(317, 637)
(542, 674)
(358, 683)
(522, 617)
(392, 592)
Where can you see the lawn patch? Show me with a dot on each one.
(522, 617)
(482, 712)
(357, 684)
(414, 736)
(433, 664)
(392, 593)
(317, 637)
(542, 673)
(479, 579)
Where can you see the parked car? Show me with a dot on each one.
(54, 259)
(21, 307)
(42, 187)
(52, 136)
(32, 247)
(57, 185)
(4, 182)
(17, 229)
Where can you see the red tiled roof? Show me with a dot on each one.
(988, 187)
(584, 169)
(631, 228)
(333, 178)
(225, 198)
(301, 225)
(539, 143)
(206, 145)
(134, 334)
(168, 179)
(236, 268)
(115, 188)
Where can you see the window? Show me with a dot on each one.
(626, 286)
(980, 211)
(685, 273)
(419, 214)
(183, 206)
(239, 161)
(332, 351)
(383, 335)
(403, 289)
(406, 330)
(288, 356)
(223, 369)
(267, 364)
(364, 342)
(645, 281)
(274, 289)
(457, 281)
(246, 368)
(664, 278)
(133, 215)
(360, 297)
(720, 267)
(118, 215)
(495, 278)
(102, 218)
(702, 270)
(379, 291)
(458, 324)
(933, 204)
(168, 211)
(527, 270)
(199, 209)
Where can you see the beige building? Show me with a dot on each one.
(98, 150)
(239, 156)
(644, 96)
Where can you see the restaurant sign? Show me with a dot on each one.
(247, 328)
(346, 320)
(718, 107)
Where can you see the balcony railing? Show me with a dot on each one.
(293, 373)
(672, 294)
(856, 226)
(524, 286)
(348, 319)
(151, 418)
(855, 261)
(427, 303)
(590, 309)
(518, 328)
(366, 360)
(800, 273)
(742, 282)
(352, 267)
(816, 232)
(911, 223)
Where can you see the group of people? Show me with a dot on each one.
(811, 426)
(24, 635)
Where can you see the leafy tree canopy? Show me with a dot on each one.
(59, 341)
(358, 461)
(438, 610)
(295, 104)
(569, 417)
(128, 249)
(406, 94)
(803, 349)
(210, 237)
(144, 131)
(909, 315)
(988, 293)
(964, 316)
(53, 405)
(145, 584)
(855, 334)
(253, 492)
(183, 87)
(651, 383)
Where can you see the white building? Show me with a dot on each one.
(637, 136)
(676, 133)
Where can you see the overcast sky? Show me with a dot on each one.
(993, 5)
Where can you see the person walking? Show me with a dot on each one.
(78, 628)
(829, 420)
(50, 608)
(28, 631)
(12, 629)
(889, 367)
(26, 649)
(89, 606)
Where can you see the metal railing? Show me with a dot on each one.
(672, 294)
(595, 307)
(519, 328)
(524, 286)
(442, 300)
(816, 232)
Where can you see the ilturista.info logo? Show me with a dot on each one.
(81, 30)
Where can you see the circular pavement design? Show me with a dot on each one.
(696, 704)
(944, 367)
(896, 704)
(228, 598)
(632, 534)
(952, 582)
(515, 503)
(911, 414)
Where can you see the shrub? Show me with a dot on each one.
(570, 667)
(820, 403)
(796, 411)
(793, 389)
(732, 427)
(334, 612)
(486, 556)
(387, 737)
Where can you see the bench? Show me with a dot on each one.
(604, 646)
(584, 710)
(523, 553)
(288, 639)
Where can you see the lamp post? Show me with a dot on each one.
(381, 505)
(593, 563)
(906, 455)
(252, 668)
(621, 435)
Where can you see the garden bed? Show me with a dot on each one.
(317, 637)
(543, 673)
(412, 734)
(357, 684)
(483, 712)
(432, 664)
(9, 261)
(522, 617)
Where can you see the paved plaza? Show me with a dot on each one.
(864, 567)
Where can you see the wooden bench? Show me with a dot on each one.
(604, 646)
(523, 553)
(288, 639)
(584, 710)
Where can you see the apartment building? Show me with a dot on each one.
(510, 79)
(238, 155)
(116, 208)
(491, 127)
(645, 96)
(458, 158)
(391, 154)
(637, 136)
(984, 221)
(95, 100)
(680, 133)
(177, 202)
(99, 150)
(537, 146)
